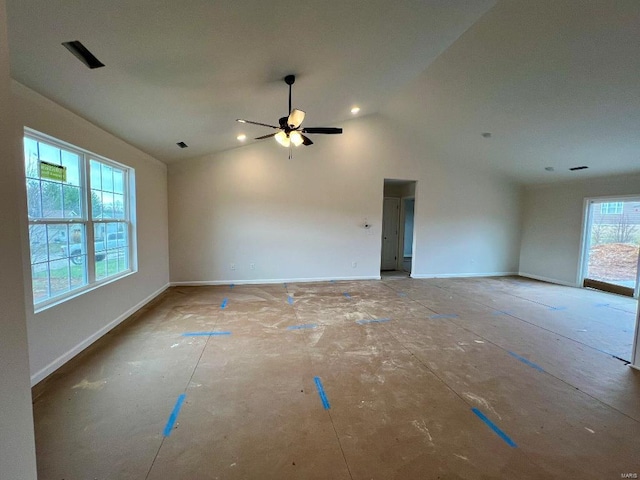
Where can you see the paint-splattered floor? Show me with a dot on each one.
(393, 379)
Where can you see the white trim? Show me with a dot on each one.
(65, 357)
(462, 275)
(546, 279)
(585, 241)
(635, 367)
(197, 283)
(635, 355)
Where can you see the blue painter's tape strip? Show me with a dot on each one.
(402, 294)
(225, 300)
(602, 304)
(205, 334)
(174, 415)
(232, 285)
(495, 428)
(444, 315)
(526, 362)
(290, 300)
(375, 320)
(500, 312)
(557, 308)
(323, 396)
(332, 281)
(300, 327)
(346, 294)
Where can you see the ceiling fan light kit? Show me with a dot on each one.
(289, 128)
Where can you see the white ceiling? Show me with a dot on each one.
(556, 82)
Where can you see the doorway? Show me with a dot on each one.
(397, 226)
(611, 255)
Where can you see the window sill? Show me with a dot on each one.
(54, 302)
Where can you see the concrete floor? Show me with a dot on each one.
(422, 379)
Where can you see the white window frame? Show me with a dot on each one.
(88, 221)
(611, 208)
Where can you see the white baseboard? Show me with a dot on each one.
(269, 281)
(462, 275)
(65, 357)
(547, 279)
(635, 367)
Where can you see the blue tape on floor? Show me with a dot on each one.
(323, 396)
(299, 327)
(557, 308)
(444, 315)
(205, 334)
(285, 285)
(500, 312)
(332, 281)
(402, 294)
(346, 295)
(495, 428)
(224, 302)
(231, 286)
(290, 300)
(376, 320)
(602, 304)
(174, 415)
(526, 362)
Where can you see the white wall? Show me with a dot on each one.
(17, 447)
(302, 218)
(58, 333)
(552, 225)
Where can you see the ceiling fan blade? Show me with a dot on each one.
(266, 136)
(327, 130)
(295, 118)
(256, 123)
(306, 141)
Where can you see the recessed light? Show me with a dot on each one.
(355, 110)
(182, 145)
(486, 134)
(549, 169)
(242, 137)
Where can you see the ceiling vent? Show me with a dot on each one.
(583, 167)
(82, 54)
(182, 145)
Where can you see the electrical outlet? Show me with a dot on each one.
(354, 264)
(233, 266)
(252, 266)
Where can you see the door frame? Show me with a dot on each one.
(400, 260)
(585, 241)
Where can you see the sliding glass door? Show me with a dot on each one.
(612, 244)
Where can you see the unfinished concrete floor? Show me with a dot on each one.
(393, 379)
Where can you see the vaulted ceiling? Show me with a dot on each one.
(555, 82)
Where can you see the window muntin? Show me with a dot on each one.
(71, 250)
(611, 208)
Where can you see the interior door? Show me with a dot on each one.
(390, 226)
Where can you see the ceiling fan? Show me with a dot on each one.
(290, 132)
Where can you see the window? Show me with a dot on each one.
(612, 208)
(79, 218)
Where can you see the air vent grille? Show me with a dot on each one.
(82, 54)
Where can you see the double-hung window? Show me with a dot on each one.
(611, 208)
(80, 226)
